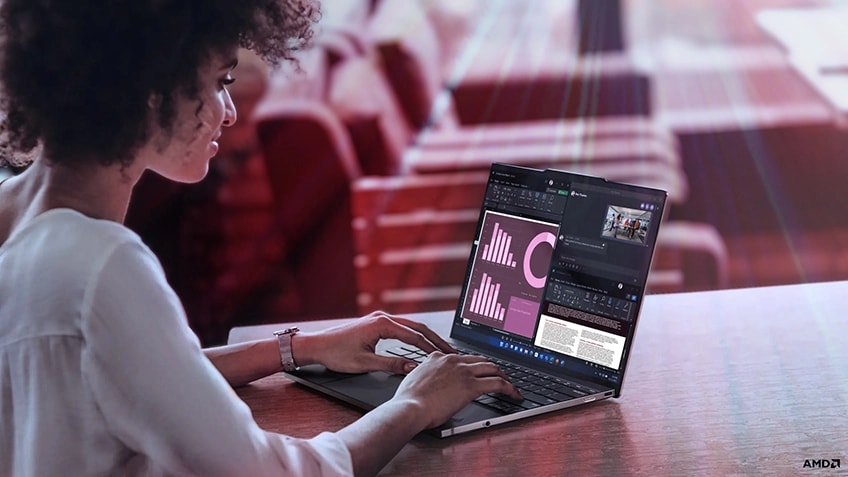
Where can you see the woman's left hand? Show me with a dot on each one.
(350, 348)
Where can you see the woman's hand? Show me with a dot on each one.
(350, 348)
(432, 393)
(444, 383)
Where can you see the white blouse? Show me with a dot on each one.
(101, 375)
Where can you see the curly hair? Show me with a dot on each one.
(77, 77)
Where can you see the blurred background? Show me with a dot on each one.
(352, 180)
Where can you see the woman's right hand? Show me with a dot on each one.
(444, 383)
(428, 396)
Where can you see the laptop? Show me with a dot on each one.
(552, 293)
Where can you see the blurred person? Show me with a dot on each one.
(101, 374)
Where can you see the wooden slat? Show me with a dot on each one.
(434, 266)
(373, 239)
(375, 196)
(547, 131)
(587, 150)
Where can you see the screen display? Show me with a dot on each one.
(558, 269)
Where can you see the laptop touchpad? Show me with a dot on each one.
(372, 388)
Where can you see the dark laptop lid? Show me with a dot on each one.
(558, 271)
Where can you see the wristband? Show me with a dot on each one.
(284, 337)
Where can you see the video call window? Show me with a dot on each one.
(626, 224)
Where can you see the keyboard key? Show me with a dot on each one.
(566, 390)
(486, 399)
(528, 404)
(532, 388)
(559, 397)
(538, 398)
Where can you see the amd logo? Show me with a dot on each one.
(821, 463)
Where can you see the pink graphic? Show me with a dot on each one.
(509, 272)
(484, 300)
(521, 317)
(533, 280)
(498, 249)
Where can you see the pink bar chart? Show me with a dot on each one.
(498, 249)
(484, 300)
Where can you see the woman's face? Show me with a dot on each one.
(184, 156)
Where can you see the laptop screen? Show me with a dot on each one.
(558, 270)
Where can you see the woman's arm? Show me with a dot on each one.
(243, 363)
(430, 395)
(348, 348)
(160, 395)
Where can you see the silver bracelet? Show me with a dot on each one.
(284, 337)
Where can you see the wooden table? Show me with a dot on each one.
(733, 382)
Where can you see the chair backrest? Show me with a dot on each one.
(551, 131)
(310, 163)
(412, 238)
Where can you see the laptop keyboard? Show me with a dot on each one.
(538, 389)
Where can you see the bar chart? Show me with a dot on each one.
(498, 249)
(510, 268)
(484, 299)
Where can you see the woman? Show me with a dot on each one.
(99, 373)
